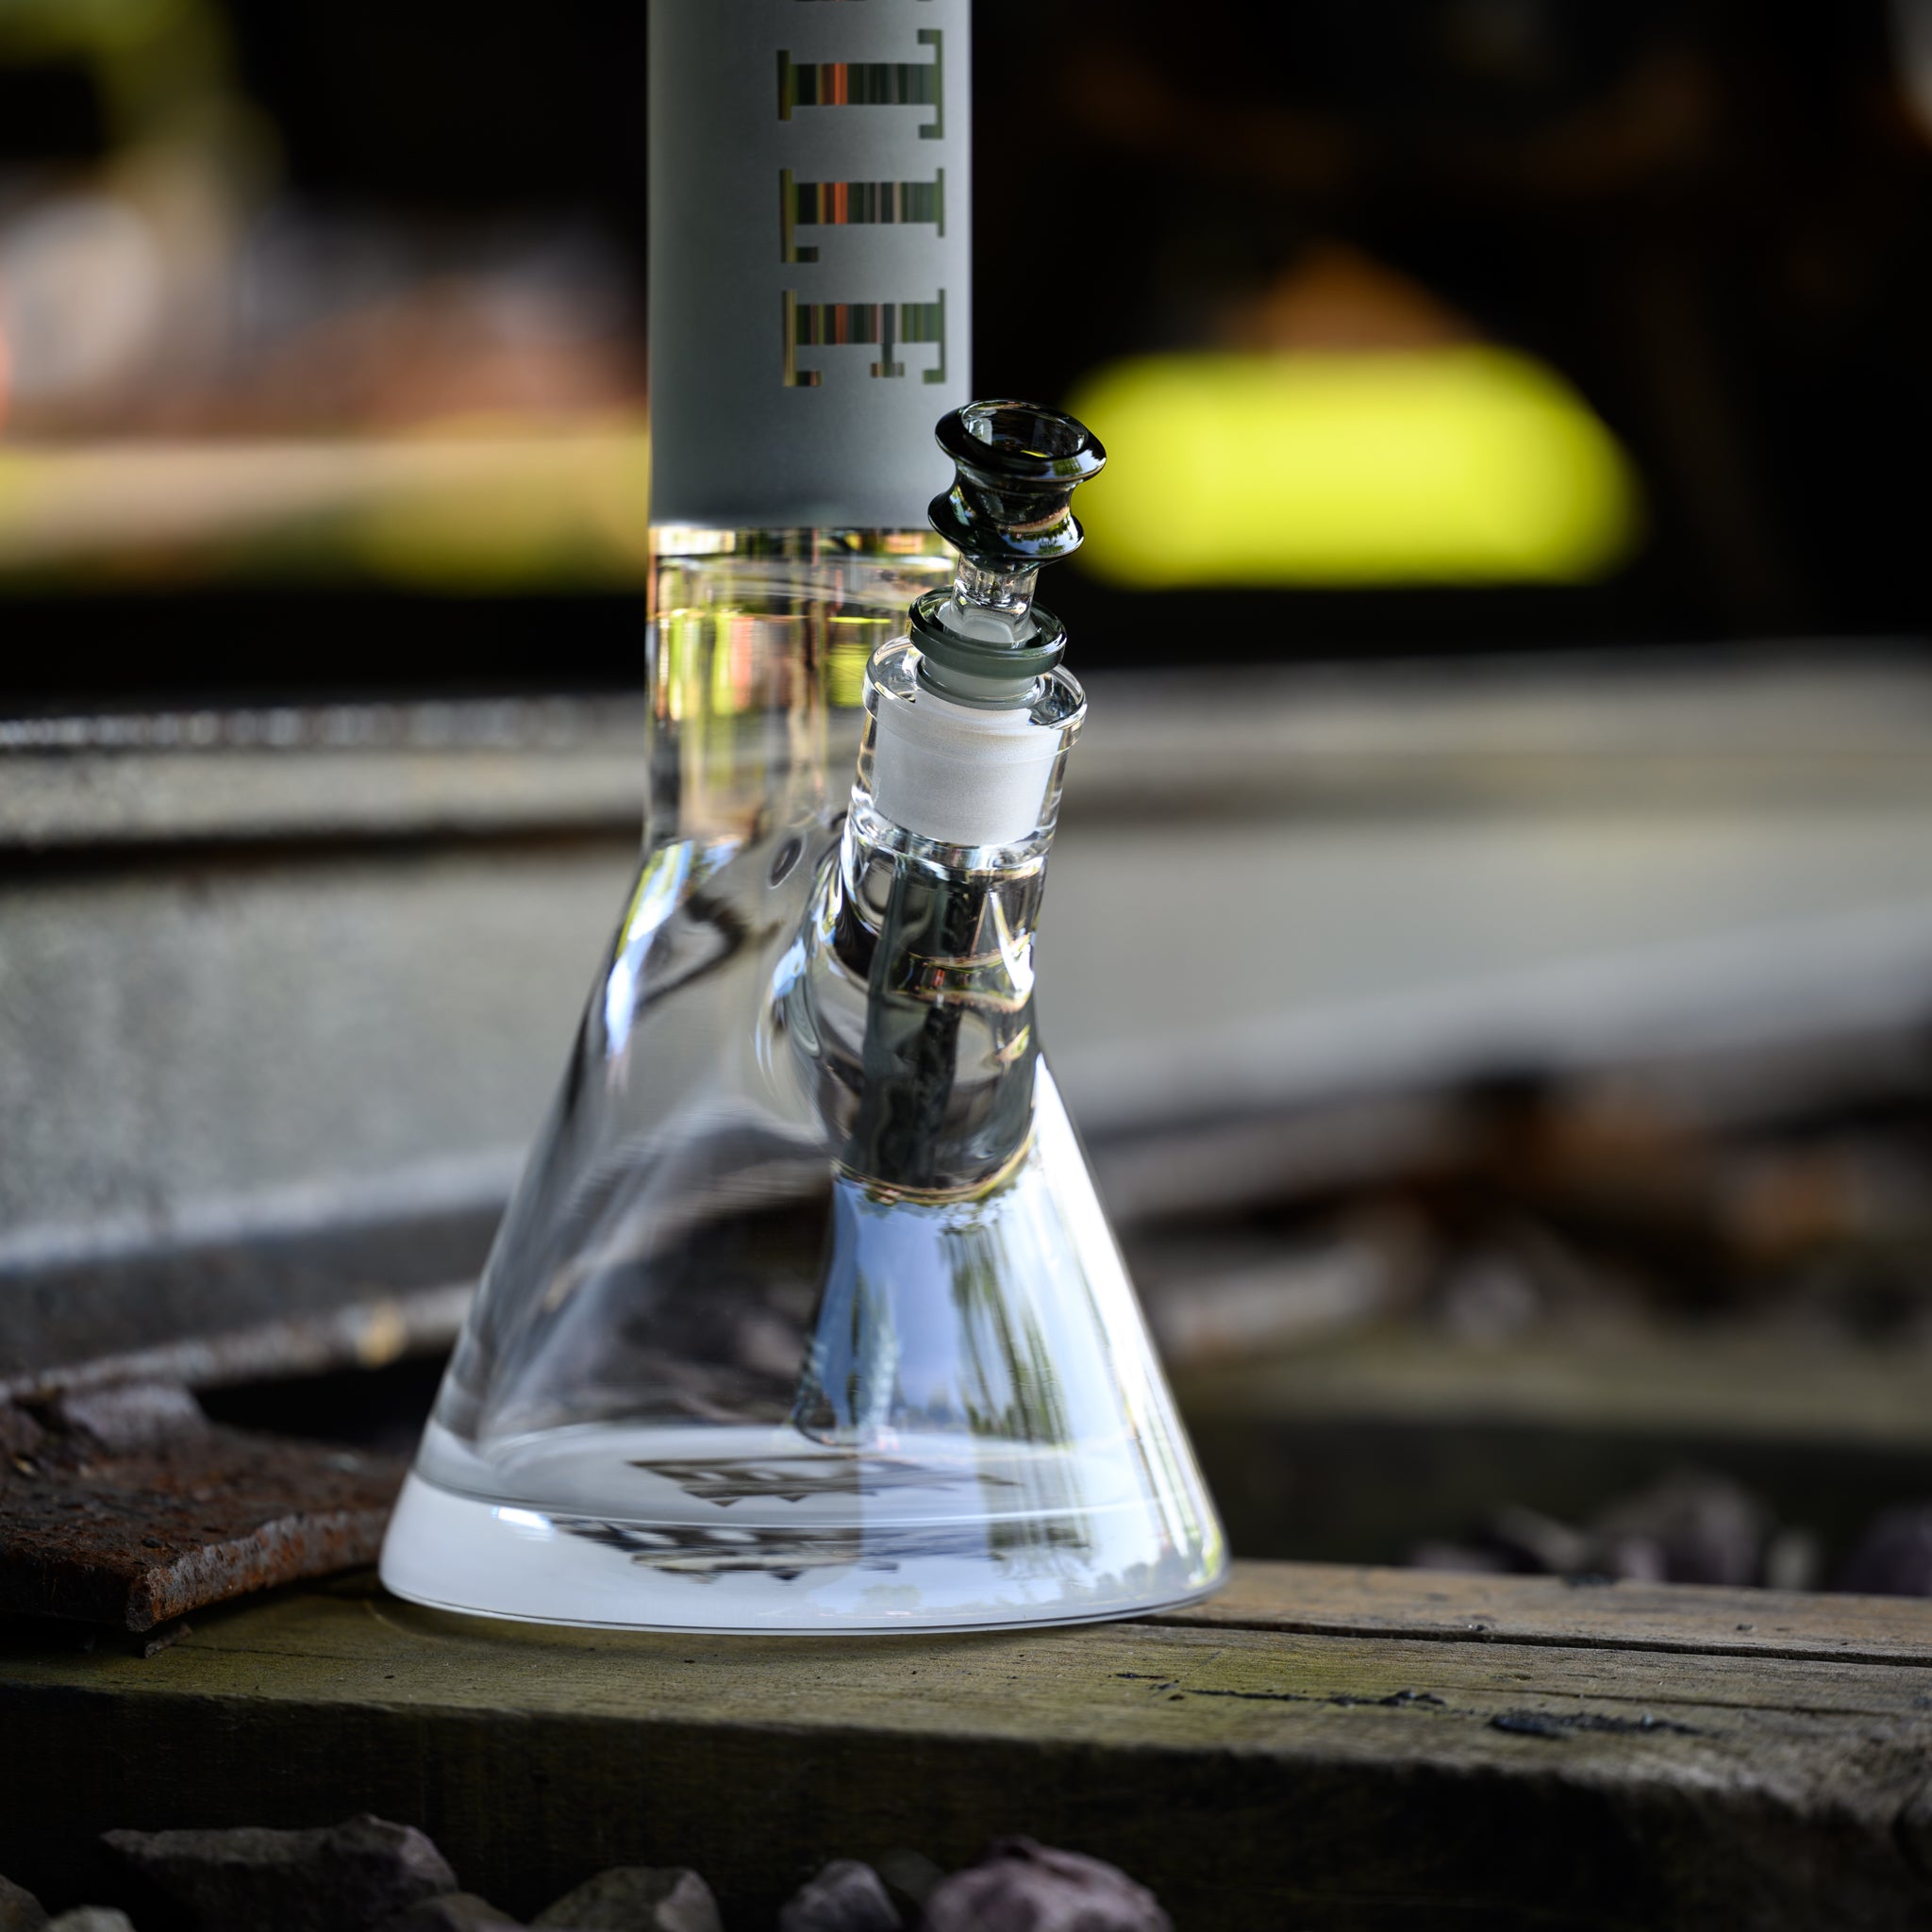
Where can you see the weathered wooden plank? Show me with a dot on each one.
(1724, 1381)
(1362, 1448)
(1325, 1598)
(1257, 1775)
(294, 1642)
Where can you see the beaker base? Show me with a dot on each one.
(779, 1535)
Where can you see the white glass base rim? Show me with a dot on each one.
(931, 1626)
(778, 1556)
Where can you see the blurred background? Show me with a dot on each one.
(1510, 778)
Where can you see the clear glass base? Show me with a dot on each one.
(762, 1530)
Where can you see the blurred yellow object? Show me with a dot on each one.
(1459, 464)
(482, 508)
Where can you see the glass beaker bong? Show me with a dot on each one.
(805, 1315)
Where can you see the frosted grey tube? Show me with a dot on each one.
(809, 258)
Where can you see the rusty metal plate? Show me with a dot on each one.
(127, 1507)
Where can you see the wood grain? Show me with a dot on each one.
(1325, 1598)
(1256, 1774)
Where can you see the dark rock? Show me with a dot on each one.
(1462, 1557)
(1533, 1542)
(1023, 1887)
(454, 1911)
(128, 1415)
(163, 1637)
(636, 1898)
(846, 1897)
(1894, 1555)
(1793, 1559)
(19, 1435)
(1709, 1529)
(1634, 1560)
(91, 1919)
(1913, 1831)
(336, 1878)
(909, 1880)
(20, 1911)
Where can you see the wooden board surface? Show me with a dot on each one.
(1315, 1749)
(1340, 1599)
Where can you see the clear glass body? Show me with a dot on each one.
(805, 1315)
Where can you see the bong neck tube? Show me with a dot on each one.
(946, 928)
(913, 1014)
(969, 777)
(736, 729)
